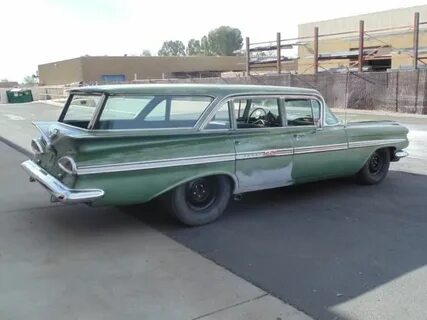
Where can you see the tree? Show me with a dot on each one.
(30, 80)
(146, 53)
(205, 47)
(172, 48)
(224, 40)
(193, 47)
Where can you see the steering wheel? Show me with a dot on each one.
(255, 110)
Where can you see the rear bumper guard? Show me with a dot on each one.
(399, 155)
(57, 189)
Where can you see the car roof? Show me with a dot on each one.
(193, 89)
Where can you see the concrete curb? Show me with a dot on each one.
(380, 113)
(17, 147)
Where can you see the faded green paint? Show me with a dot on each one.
(97, 147)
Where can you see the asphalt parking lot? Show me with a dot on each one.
(322, 245)
(333, 250)
(78, 262)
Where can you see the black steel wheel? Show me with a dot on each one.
(376, 168)
(201, 193)
(200, 201)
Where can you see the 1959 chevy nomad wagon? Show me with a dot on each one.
(193, 146)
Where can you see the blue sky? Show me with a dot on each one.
(41, 31)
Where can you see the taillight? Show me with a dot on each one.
(67, 165)
(37, 146)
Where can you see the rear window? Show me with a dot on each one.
(145, 112)
(81, 110)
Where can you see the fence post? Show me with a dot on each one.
(316, 50)
(279, 53)
(248, 58)
(361, 45)
(416, 38)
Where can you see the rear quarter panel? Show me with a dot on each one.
(138, 186)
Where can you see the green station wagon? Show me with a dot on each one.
(194, 146)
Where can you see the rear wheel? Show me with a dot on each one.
(376, 168)
(200, 201)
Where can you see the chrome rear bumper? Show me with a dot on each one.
(57, 189)
(399, 155)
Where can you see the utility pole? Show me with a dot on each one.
(416, 38)
(361, 45)
(248, 58)
(316, 50)
(279, 53)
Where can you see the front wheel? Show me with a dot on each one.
(200, 201)
(376, 168)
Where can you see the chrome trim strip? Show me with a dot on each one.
(195, 160)
(57, 189)
(264, 154)
(370, 143)
(154, 164)
(98, 111)
(321, 148)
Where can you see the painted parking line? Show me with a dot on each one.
(14, 117)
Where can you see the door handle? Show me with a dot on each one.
(298, 136)
(236, 142)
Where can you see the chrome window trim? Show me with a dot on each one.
(165, 95)
(322, 103)
(68, 102)
(97, 114)
(264, 95)
(213, 99)
(231, 118)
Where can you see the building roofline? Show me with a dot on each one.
(423, 6)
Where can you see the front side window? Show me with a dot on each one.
(81, 110)
(221, 119)
(257, 113)
(157, 111)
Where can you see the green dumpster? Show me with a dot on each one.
(19, 95)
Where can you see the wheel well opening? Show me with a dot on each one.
(232, 181)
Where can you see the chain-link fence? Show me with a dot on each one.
(399, 91)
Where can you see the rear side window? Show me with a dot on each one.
(152, 112)
(187, 108)
(302, 112)
(124, 108)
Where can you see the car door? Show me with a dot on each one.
(263, 149)
(320, 151)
